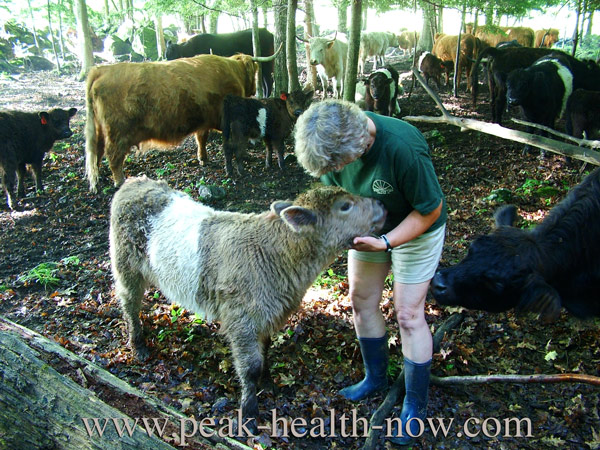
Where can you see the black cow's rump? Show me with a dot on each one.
(554, 265)
(228, 44)
(583, 113)
(24, 139)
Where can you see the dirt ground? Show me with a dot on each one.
(62, 233)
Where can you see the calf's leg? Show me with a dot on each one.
(21, 175)
(248, 362)
(130, 287)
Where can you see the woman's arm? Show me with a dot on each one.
(414, 225)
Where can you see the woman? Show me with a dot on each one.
(388, 159)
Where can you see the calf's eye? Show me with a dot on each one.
(346, 206)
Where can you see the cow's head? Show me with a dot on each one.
(297, 102)
(519, 85)
(56, 122)
(380, 85)
(172, 51)
(498, 273)
(319, 46)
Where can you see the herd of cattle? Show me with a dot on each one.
(191, 252)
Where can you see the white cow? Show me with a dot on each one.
(375, 43)
(329, 55)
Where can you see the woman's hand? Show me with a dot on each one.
(369, 244)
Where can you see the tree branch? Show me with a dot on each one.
(538, 378)
(581, 142)
(494, 129)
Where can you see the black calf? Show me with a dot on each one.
(24, 139)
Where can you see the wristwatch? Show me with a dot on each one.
(387, 243)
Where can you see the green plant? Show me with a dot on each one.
(44, 274)
(61, 146)
(176, 313)
(329, 278)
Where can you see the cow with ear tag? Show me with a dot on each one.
(24, 139)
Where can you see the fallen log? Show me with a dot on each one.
(52, 398)
(562, 148)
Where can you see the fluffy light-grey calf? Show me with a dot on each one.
(248, 271)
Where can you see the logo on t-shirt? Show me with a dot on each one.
(382, 187)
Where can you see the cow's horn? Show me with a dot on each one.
(302, 40)
(262, 59)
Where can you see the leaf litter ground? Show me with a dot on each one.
(71, 300)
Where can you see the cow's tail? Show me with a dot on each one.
(486, 52)
(91, 138)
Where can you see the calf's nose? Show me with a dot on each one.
(438, 286)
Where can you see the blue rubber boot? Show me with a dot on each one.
(416, 381)
(375, 358)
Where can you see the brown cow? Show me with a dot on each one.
(407, 40)
(164, 101)
(523, 35)
(445, 49)
(546, 38)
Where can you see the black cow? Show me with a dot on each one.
(228, 44)
(555, 264)
(541, 90)
(381, 94)
(508, 44)
(24, 139)
(500, 62)
(583, 113)
(270, 119)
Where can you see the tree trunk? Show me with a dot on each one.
(342, 11)
(160, 37)
(214, 18)
(49, 398)
(576, 31)
(53, 39)
(292, 64)
(280, 73)
(428, 29)
(60, 30)
(590, 23)
(365, 15)
(353, 47)
(85, 41)
(309, 20)
(33, 29)
(457, 57)
(256, 48)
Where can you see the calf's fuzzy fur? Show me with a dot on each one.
(248, 271)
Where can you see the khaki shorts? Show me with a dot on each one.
(412, 263)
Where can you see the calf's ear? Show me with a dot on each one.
(72, 112)
(539, 297)
(44, 117)
(283, 96)
(297, 217)
(278, 206)
(507, 215)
